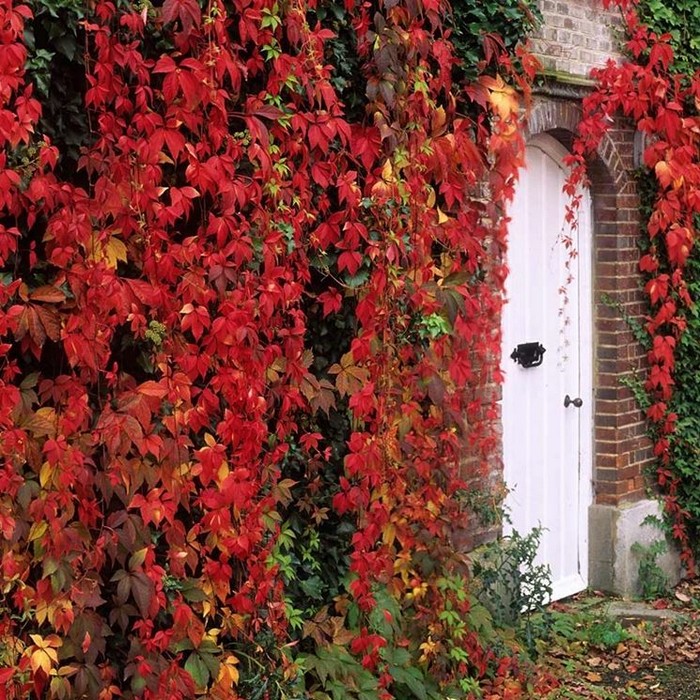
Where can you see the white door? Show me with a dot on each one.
(547, 444)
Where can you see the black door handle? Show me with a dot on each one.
(528, 354)
(576, 402)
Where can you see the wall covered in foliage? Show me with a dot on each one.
(247, 269)
(680, 20)
(658, 90)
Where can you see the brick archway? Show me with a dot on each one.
(621, 448)
(561, 118)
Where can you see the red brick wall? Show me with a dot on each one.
(621, 448)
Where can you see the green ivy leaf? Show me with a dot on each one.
(198, 669)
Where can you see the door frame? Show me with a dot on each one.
(554, 149)
(622, 452)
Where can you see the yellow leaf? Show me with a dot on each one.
(43, 659)
(222, 472)
(278, 366)
(42, 423)
(388, 172)
(438, 118)
(138, 558)
(228, 673)
(92, 248)
(44, 656)
(41, 612)
(35, 532)
(663, 173)
(115, 250)
(45, 474)
(350, 378)
(505, 104)
(429, 649)
(503, 98)
(389, 534)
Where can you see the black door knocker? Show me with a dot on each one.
(528, 354)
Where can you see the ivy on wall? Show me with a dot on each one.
(680, 19)
(246, 274)
(481, 29)
(662, 103)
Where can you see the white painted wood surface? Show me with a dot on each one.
(547, 447)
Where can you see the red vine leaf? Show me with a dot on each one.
(187, 11)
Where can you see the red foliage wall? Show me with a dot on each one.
(154, 362)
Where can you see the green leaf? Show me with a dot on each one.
(183, 645)
(358, 279)
(412, 679)
(191, 592)
(198, 669)
(396, 656)
(312, 587)
(212, 663)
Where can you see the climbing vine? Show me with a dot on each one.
(682, 20)
(663, 105)
(179, 438)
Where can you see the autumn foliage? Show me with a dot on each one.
(663, 105)
(156, 374)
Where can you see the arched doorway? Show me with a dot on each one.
(548, 398)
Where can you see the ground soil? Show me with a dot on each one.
(659, 661)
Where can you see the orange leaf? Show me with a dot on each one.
(351, 378)
(503, 98)
(151, 388)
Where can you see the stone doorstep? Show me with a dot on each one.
(629, 613)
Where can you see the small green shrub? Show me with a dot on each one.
(511, 586)
(509, 582)
(653, 581)
(606, 633)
